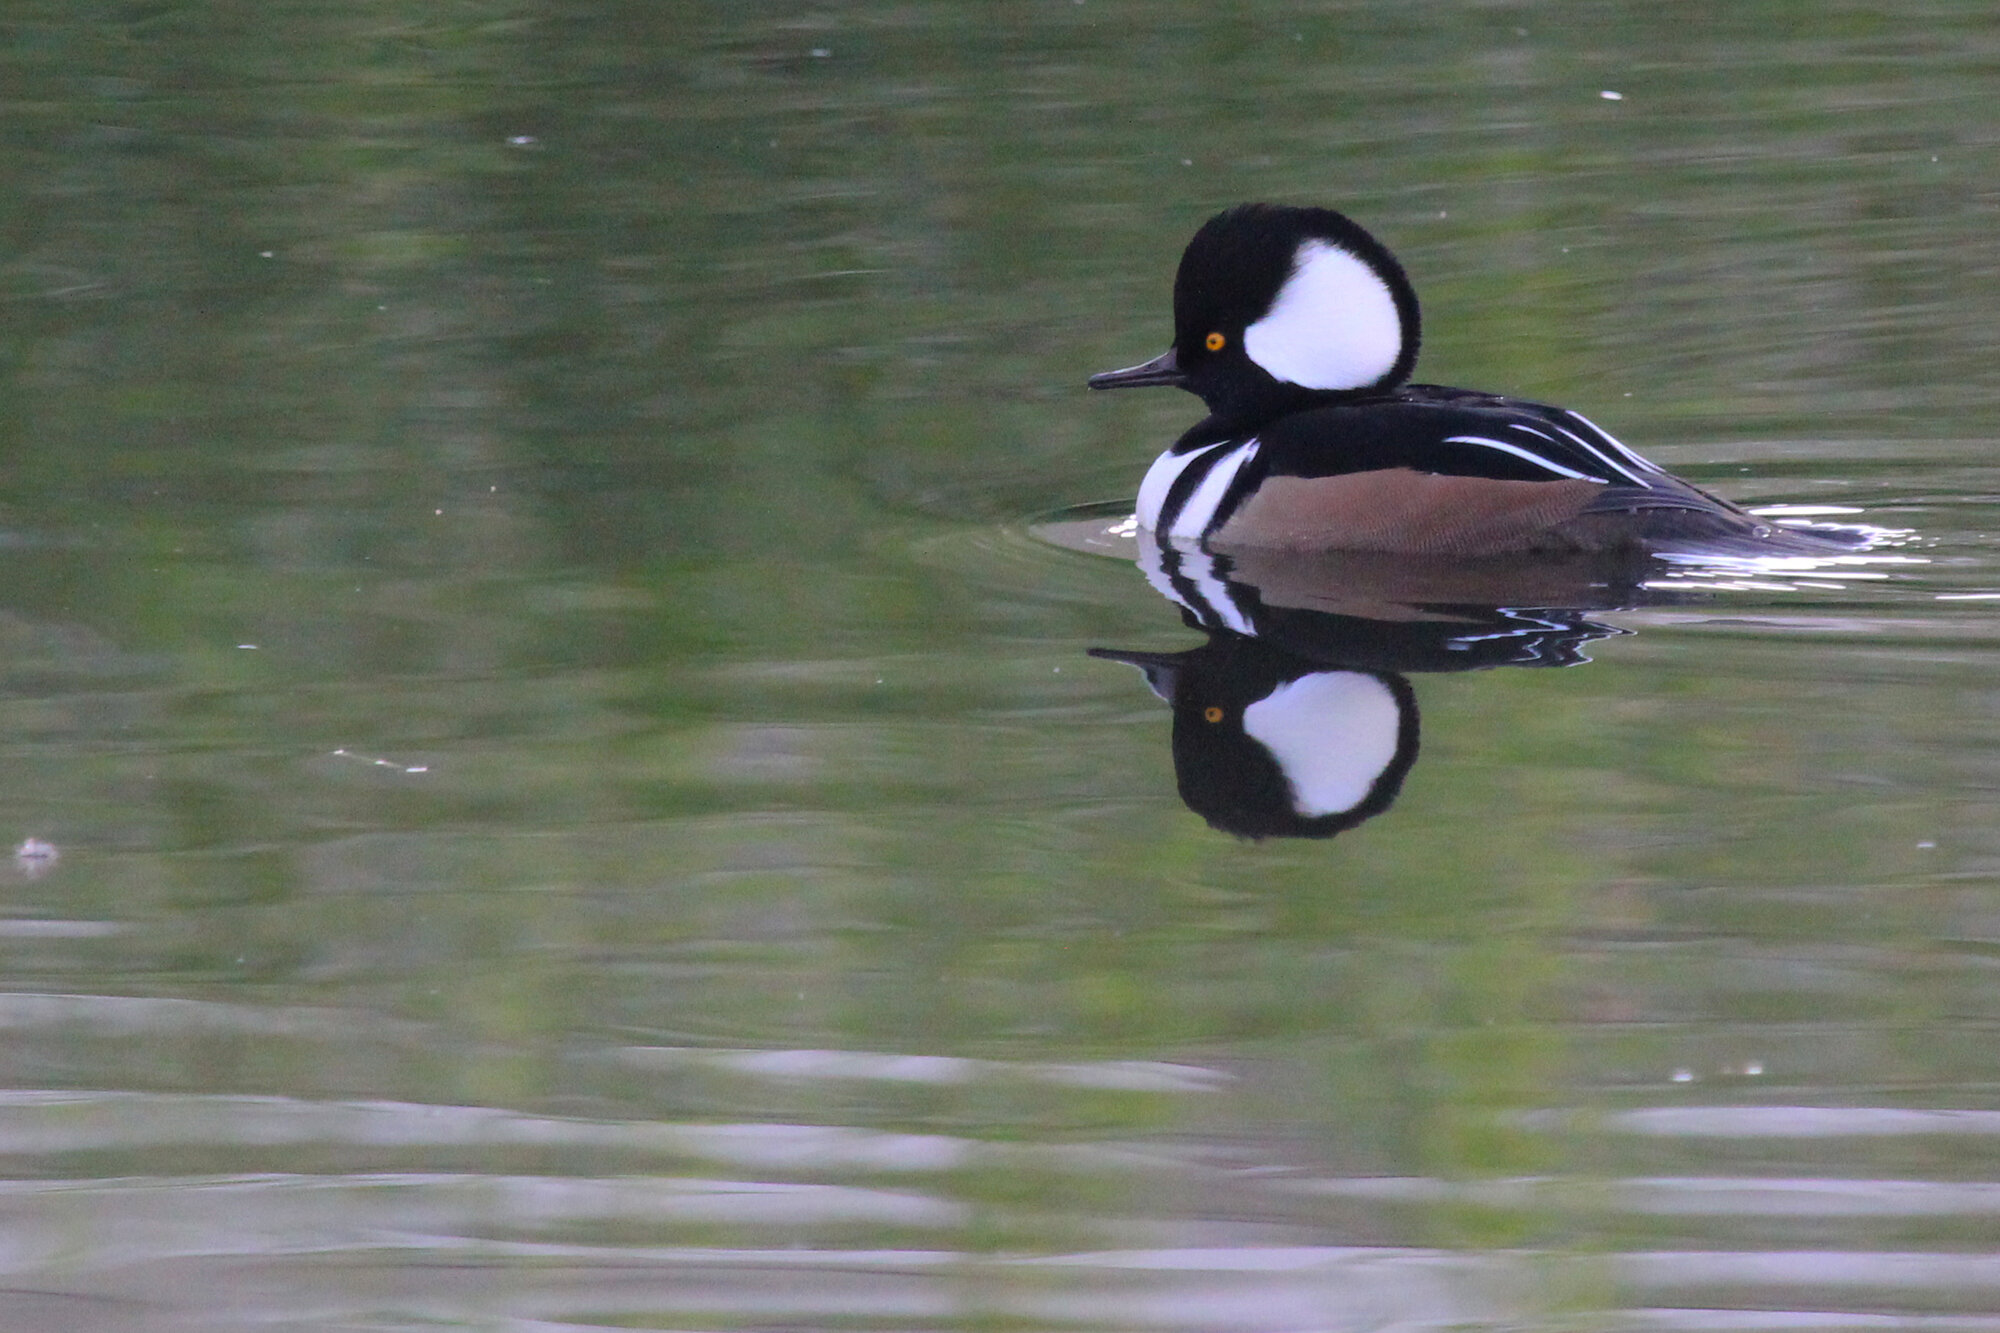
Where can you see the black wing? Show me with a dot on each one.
(1453, 432)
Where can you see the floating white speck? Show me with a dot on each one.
(36, 849)
(35, 858)
(1683, 1076)
(251, 646)
(267, 254)
(821, 52)
(1754, 1069)
(521, 140)
(1926, 845)
(1610, 96)
(373, 762)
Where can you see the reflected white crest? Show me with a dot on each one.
(1333, 733)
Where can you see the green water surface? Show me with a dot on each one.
(566, 792)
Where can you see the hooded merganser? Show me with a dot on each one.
(1299, 331)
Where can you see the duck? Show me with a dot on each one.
(1299, 331)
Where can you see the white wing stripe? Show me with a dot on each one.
(1601, 456)
(1519, 452)
(1618, 445)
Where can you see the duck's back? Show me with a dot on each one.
(1439, 471)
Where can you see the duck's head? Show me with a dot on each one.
(1277, 307)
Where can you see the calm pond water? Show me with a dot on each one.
(561, 784)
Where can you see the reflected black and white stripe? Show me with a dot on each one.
(1188, 575)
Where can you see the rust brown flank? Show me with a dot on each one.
(1398, 509)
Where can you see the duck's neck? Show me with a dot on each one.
(1234, 417)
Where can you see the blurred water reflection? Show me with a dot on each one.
(580, 799)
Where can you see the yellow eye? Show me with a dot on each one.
(1211, 713)
(1215, 342)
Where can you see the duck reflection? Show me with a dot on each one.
(1268, 744)
(1296, 717)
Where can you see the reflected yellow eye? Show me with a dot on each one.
(1212, 713)
(1215, 342)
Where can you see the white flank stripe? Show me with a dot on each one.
(1334, 325)
(1193, 520)
(1160, 479)
(1519, 452)
(1332, 733)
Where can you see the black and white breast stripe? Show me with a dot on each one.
(1191, 490)
(1184, 494)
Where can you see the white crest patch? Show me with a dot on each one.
(1332, 733)
(1334, 325)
